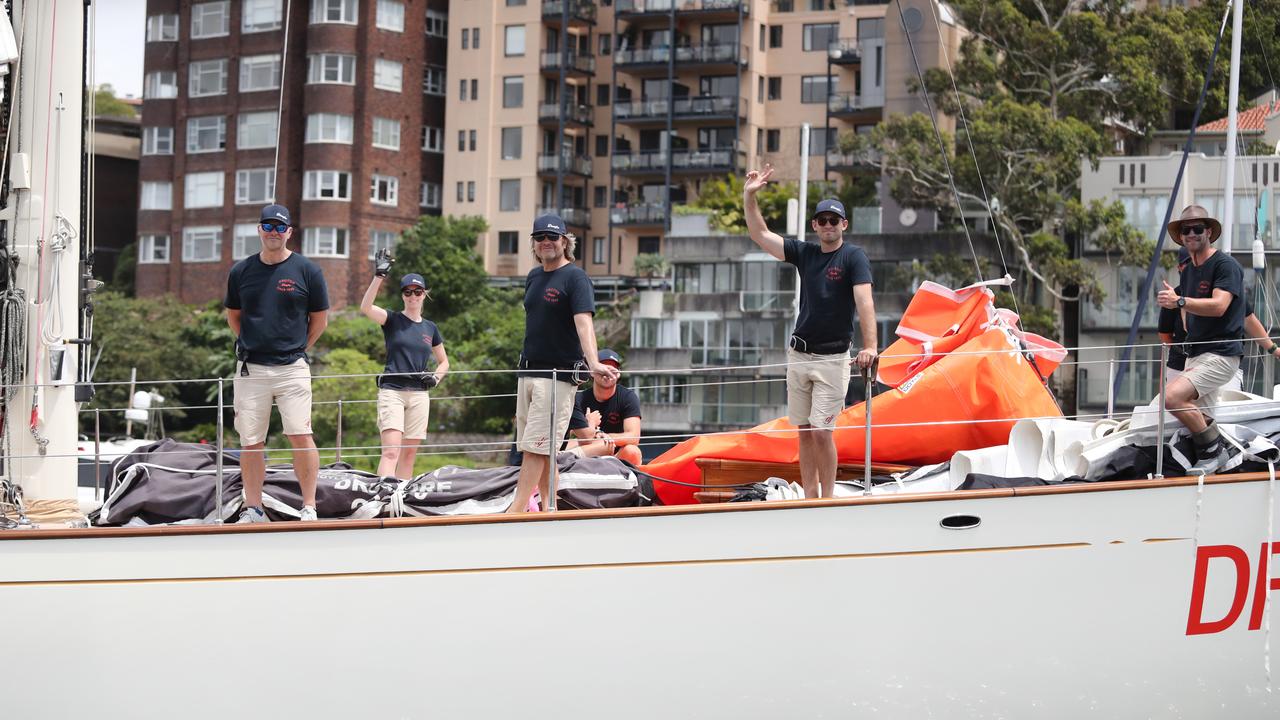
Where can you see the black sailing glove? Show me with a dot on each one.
(429, 380)
(382, 263)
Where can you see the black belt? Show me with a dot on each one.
(576, 375)
(835, 347)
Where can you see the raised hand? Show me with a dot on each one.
(757, 179)
(382, 262)
(1168, 297)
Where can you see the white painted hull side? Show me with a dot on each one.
(1056, 606)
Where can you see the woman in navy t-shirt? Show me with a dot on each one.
(404, 400)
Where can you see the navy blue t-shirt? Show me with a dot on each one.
(409, 349)
(826, 289)
(1171, 322)
(551, 299)
(1219, 271)
(274, 301)
(624, 404)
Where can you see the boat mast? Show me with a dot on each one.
(1233, 93)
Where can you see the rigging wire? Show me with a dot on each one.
(284, 58)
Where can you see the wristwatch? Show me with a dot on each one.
(1182, 302)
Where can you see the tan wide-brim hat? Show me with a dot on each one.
(1195, 213)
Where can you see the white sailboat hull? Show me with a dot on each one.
(1057, 605)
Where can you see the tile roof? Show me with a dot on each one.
(1254, 119)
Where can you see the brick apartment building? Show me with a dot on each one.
(359, 99)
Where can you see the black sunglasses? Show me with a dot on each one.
(545, 237)
(827, 220)
(415, 292)
(272, 227)
(1194, 229)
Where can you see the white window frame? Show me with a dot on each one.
(437, 24)
(432, 139)
(194, 184)
(241, 233)
(160, 85)
(151, 251)
(330, 128)
(390, 15)
(322, 66)
(192, 235)
(384, 190)
(196, 126)
(513, 41)
(429, 195)
(326, 185)
(382, 240)
(434, 80)
(325, 242)
(348, 12)
(202, 71)
(252, 13)
(162, 28)
(155, 195)
(252, 124)
(388, 75)
(157, 141)
(253, 66)
(205, 20)
(247, 179)
(386, 133)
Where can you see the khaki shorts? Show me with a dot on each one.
(816, 386)
(533, 413)
(404, 410)
(1210, 373)
(289, 386)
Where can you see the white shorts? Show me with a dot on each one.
(533, 413)
(404, 410)
(288, 386)
(1209, 373)
(816, 387)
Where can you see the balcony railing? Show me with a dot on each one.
(578, 10)
(579, 63)
(581, 217)
(844, 50)
(715, 159)
(644, 160)
(577, 164)
(654, 214)
(865, 158)
(702, 53)
(682, 107)
(847, 102)
(649, 7)
(574, 113)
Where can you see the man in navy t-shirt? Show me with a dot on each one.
(277, 306)
(835, 278)
(559, 337)
(619, 409)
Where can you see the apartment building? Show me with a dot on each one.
(344, 124)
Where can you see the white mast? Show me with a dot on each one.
(1229, 198)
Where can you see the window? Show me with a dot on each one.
(331, 68)
(606, 43)
(433, 80)
(438, 26)
(472, 135)
(390, 15)
(157, 141)
(818, 37)
(259, 72)
(462, 141)
(381, 240)
(327, 127)
(207, 77)
(333, 11)
(206, 134)
(814, 88)
(211, 19)
(153, 249)
(649, 245)
(597, 251)
(772, 141)
(432, 139)
(515, 3)
(245, 241)
(460, 195)
(601, 196)
(760, 89)
(255, 187)
(508, 242)
(509, 195)
(462, 89)
(384, 190)
(513, 91)
(511, 143)
(602, 95)
(202, 244)
(326, 185)
(156, 196)
(203, 190)
(475, 88)
(471, 191)
(475, 38)
(820, 139)
(429, 196)
(759, 141)
(261, 15)
(162, 28)
(387, 74)
(386, 133)
(775, 88)
(256, 130)
(466, 38)
(775, 36)
(160, 85)
(602, 146)
(763, 38)
(324, 242)
(514, 40)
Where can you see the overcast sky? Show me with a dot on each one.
(121, 32)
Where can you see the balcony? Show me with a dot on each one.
(632, 10)
(844, 52)
(864, 160)
(709, 56)
(577, 64)
(580, 12)
(716, 160)
(682, 108)
(846, 103)
(646, 162)
(653, 214)
(549, 114)
(576, 217)
(565, 162)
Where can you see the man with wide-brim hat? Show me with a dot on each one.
(1212, 304)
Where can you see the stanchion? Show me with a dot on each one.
(97, 454)
(337, 453)
(869, 380)
(218, 492)
(1164, 360)
(553, 450)
(1111, 388)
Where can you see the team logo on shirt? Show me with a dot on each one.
(426, 338)
(1204, 288)
(552, 295)
(835, 274)
(614, 418)
(287, 285)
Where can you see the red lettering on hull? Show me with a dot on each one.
(1196, 624)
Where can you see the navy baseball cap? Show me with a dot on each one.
(831, 205)
(549, 223)
(608, 355)
(413, 280)
(278, 213)
(1184, 256)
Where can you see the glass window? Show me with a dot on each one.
(206, 134)
(513, 91)
(202, 244)
(432, 139)
(259, 72)
(245, 241)
(381, 240)
(870, 28)
(328, 127)
(433, 80)
(261, 15)
(326, 185)
(255, 187)
(160, 85)
(386, 133)
(438, 26)
(429, 195)
(819, 36)
(508, 242)
(387, 75)
(384, 190)
(471, 191)
(509, 195)
(324, 242)
(466, 38)
(775, 36)
(814, 88)
(511, 143)
(775, 88)
(157, 141)
(156, 196)
(256, 130)
(162, 28)
(597, 251)
(390, 15)
(207, 77)
(210, 19)
(203, 190)
(773, 141)
(333, 11)
(153, 249)
(514, 40)
(820, 139)
(331, 68)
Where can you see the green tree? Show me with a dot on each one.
(442, 250)
(106, 104)
(126, 270)
(486, 338)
